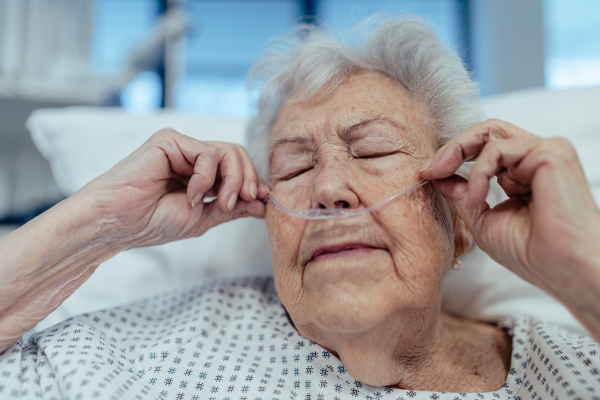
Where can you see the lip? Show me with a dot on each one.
(340, 248)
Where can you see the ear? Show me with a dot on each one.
(463, 240)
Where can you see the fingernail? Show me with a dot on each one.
(427, 164)
(197, 199)
(231, 202)
(253, 190)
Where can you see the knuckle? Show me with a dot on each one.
(493, 121)
(166, 133)
(205, 157)
(238, 149)
(492, 148)
(496, 127)
(561, 147)
(561, 142)
(207, 149)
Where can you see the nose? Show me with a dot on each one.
(332, 190)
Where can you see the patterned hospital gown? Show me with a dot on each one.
(231, 339)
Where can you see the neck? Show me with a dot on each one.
(449, 354)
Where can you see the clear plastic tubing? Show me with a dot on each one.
(338, 213)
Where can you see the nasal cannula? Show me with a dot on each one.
(337, 213)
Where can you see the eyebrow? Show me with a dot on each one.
(346, 132)
(294, 139)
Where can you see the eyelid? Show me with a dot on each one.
(377, 155)
(377, 147)
(294, 174)
(290, 164)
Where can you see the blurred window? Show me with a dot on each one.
(447, 17)
(1, 6)
(117, 27)
(227, 36)
(572, 43)
(225, 39)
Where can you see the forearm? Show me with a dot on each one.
(46, 260)
(579, 286)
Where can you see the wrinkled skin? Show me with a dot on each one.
(376, 308)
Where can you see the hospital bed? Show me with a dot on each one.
(81, 143)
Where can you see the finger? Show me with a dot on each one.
(232, 174)
(190, 159)
(250, 183)
(181, 150)
(468, 145)
(213, 215)
(496, 157)
(204, 174)
(511, 186)
(455, 190)
(263, 189)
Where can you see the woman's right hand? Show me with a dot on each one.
(144, 200)
(155, 195)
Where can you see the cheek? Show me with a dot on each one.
(419, 249)
(294, 193)
(285, 234)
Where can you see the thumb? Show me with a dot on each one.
(455, 190)
(213, 215)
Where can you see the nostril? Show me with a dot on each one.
(341, 204)
(337, 204)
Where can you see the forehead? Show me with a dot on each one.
(362, 96)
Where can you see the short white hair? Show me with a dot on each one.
(403, 48)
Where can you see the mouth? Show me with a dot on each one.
(344, 250)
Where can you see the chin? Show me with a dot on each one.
(350, 295)
(347, 310)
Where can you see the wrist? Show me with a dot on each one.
(47, 259)
(92, 217)
(579, 284)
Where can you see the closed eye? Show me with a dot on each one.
(296, 173)
(377, 155)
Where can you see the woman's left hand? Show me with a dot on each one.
(548, 231)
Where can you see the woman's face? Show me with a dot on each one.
(352, 148)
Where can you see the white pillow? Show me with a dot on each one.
(571, 113)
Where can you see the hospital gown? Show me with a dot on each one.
(232, 339)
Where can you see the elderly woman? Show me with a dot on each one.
(354, 309)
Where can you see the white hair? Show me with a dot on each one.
(403, 48)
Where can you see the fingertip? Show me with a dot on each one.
(478, 189)
(453, 188)
(231, 201)
(263, 190)
(254, 208)
(197, 199)
(426, 167)
(445, 163)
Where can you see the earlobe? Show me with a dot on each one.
(463, 239)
